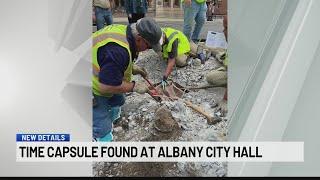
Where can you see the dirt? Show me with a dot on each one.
(165, 127)
(145, 119)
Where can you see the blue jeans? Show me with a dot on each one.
(105, 112)
(195, 12)
(103, 16)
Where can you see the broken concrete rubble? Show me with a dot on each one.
(145, 119)
(164, 122)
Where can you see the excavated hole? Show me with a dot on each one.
(173, 91)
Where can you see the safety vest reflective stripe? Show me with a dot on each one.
(109, 34)
(172, 35)
(198, 1)
(95, 70)
(112, 36)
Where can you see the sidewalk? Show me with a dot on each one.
(215, 25)
(167, 17)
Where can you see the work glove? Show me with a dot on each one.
(164, 82)
(139, 70)
(222, 107)
(222, 68)
(140, 88)
(221, 56)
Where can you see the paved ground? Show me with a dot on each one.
(172, 18)
(139, 112)
(215, 25)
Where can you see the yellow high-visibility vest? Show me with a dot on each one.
(172, 35)
(198, 1)
(109, 34)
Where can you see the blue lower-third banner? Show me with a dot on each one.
(42, 137)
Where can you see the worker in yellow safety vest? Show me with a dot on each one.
(175, 49)
(114, 48)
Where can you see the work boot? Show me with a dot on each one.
(193, 47)
(217, 77)
(181, 60)
(106, 138)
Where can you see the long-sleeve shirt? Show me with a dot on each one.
(136, 6)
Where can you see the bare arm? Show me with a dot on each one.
(171, 63)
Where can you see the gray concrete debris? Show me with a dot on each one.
(141, 112)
